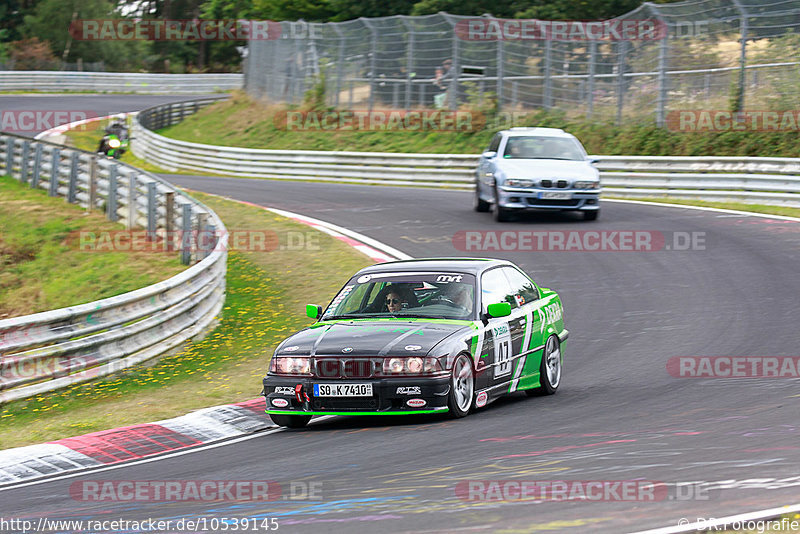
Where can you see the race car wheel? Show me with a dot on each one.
(462, 387)
(479, 204)
(549, 370)
(591, 215)
(291, 421)
(500, 213)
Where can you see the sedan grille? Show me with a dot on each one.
(347, 367)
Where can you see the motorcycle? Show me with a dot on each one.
(115, 142)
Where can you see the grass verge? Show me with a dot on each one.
(41, 264)
(244, 122)
(266, 292)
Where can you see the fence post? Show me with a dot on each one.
(500, 72)
(339, 64)
(111, 203)
(590, 89)
(514, 90)
(72, 190)
(410, 74)
(169, 219)
(203, 241)
(55, 175)
(622, 48)
(23, 163)
(186, 235)
(37, 165)
(452, 98)
(131, 200)
(10, 145)
(92, 183)
(548, 81)
(372, 61)
(152, 211)
(743, 28)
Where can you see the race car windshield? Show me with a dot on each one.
(542, 148)
(438, 295)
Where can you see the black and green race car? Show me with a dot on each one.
(420, 336)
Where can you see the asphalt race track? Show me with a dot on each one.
(721, 445)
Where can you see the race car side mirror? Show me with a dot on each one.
(498, 309)
(313, 311)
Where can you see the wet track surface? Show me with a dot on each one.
(619, 415)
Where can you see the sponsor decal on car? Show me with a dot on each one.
(284, 390)
(481, 399)
(413, 347)
(280, 403)
(409, 390)
(416, 403)
(291, 349)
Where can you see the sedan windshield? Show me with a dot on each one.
(542, 148)
(439, 295)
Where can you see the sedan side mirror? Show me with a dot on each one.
(498, 309)
(489, 154)
(313, 311)
(594, 161)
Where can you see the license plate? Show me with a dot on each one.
(555, 195)
(342, 390)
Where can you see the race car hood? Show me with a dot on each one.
(370, 338)
(547, 169)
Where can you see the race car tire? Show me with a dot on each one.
(549, 369)
(480, 205)
(290, 421)
(461, 398)
(500, 213)
(591, 215)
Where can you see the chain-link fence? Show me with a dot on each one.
(697, 54)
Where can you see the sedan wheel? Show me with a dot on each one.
(462, 387)
(500, 213)
(479, 204)
(550, 369)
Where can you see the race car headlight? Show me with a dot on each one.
(519, 182)
(414, 365)
(587, 185)
(290, 366)
(114, 143)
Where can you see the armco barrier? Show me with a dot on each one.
(737, 179)
(125, 82)
(54, 349)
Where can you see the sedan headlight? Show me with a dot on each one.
(587, 185)
(519, 182)
(290, 366)
(414, 365)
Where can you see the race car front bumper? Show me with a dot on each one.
(390, 396)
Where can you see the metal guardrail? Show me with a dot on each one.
(133, 82)
(54, 349)
(735, 179)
